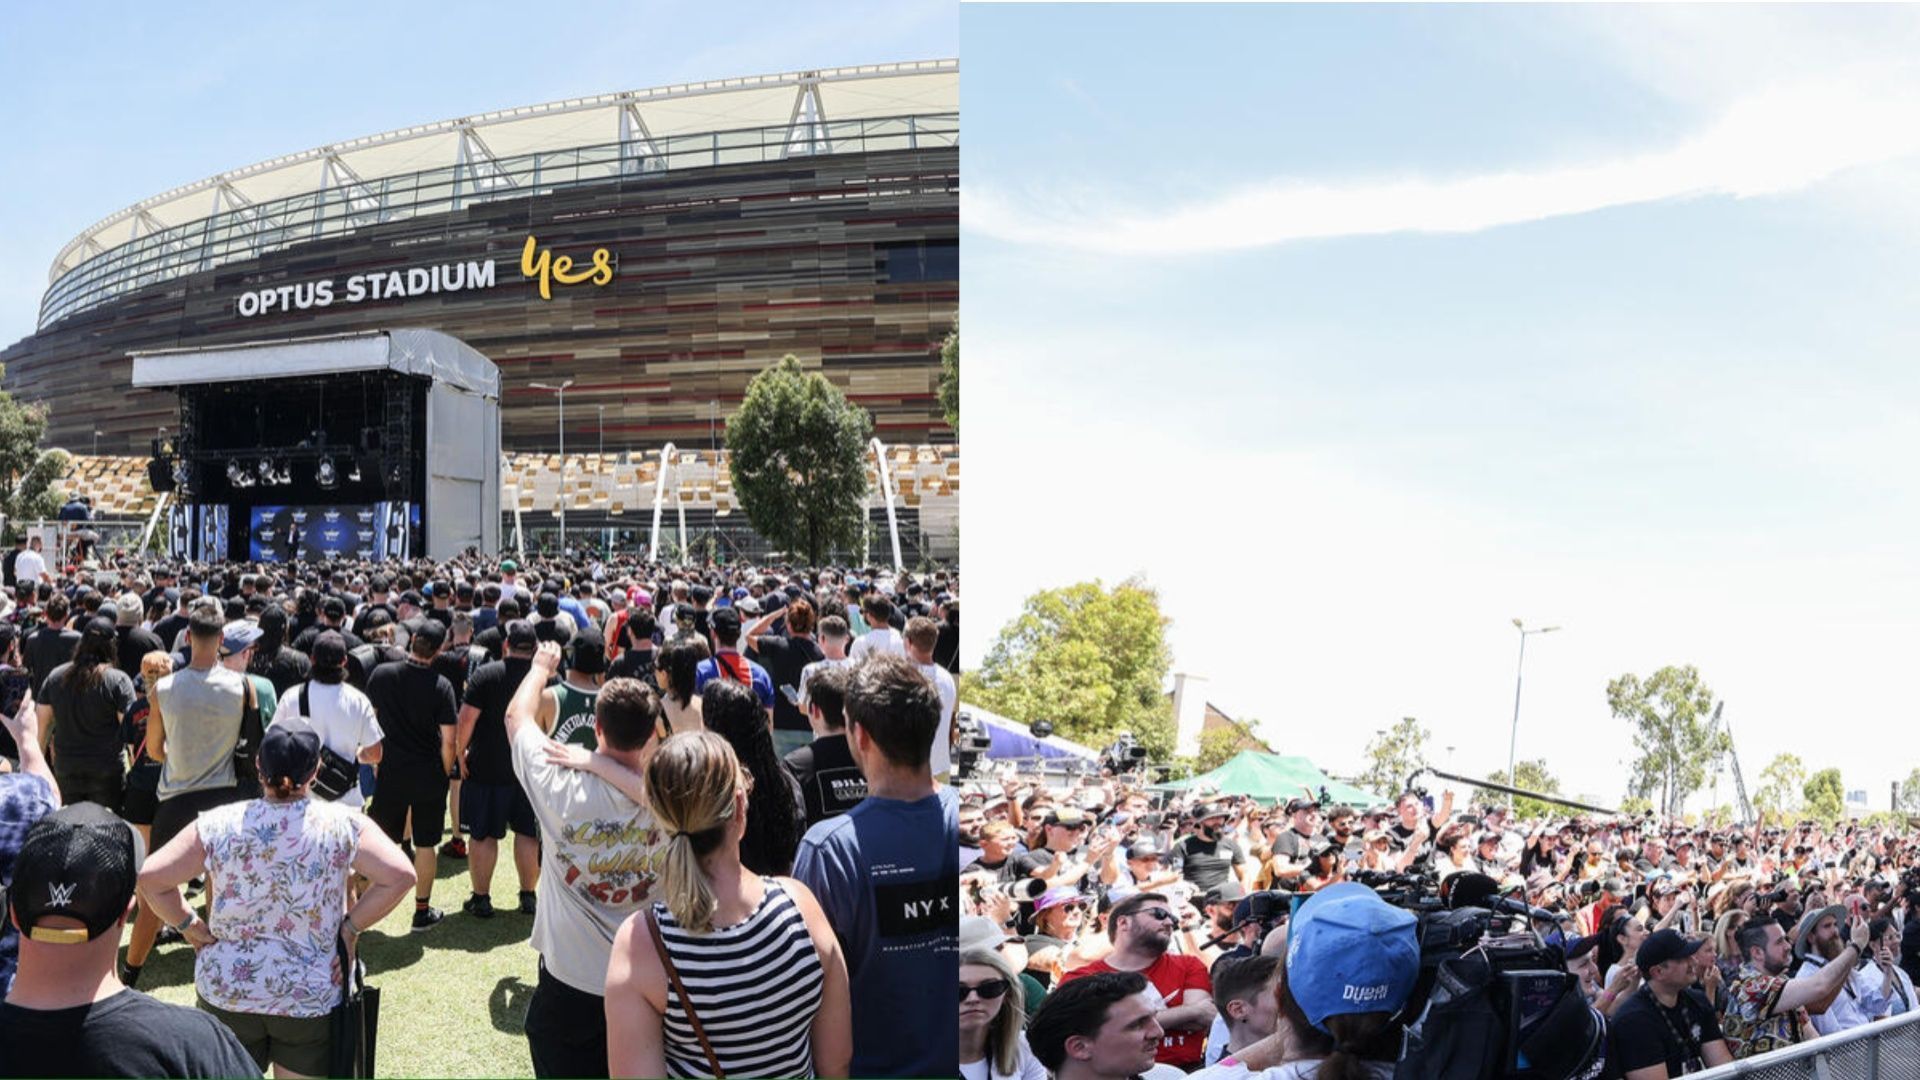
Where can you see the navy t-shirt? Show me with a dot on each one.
(887, 875)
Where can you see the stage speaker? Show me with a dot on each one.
(160, 475)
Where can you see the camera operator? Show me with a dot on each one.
(1667, 1028)
(1180, 993)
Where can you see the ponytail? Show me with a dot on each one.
(691, 784)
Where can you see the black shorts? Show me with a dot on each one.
(488, 810)
(140, 805)
(423, 793)
(566, 1029)
(103, 784)
(172, 816)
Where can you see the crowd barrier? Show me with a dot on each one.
(1884, 1050)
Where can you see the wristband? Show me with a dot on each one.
(181, 926)
(347, 922)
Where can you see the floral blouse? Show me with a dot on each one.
(279, 877)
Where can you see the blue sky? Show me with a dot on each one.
(106, 105)
(1420, 319)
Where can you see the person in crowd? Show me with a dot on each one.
(341, 716)
(1288, 852)
(921, 635)
(728, 664)
(237, 642)
(1818, 942)
(748, 955)
(1100, 1028)
(1324, 866)
(632, 637)
(1208, 855)
(1620, 941)
(779, 812)
(1666, 1028)
(566, 709)
(886, 847)
(267, 965)
(1249, 1006)
(52, 644)
(281, 664)
(142, 800)
(27, 794)
(193, 727)
(830, 781)
(676, 672)
(132, 642)
(834, 639)
(882, 638)
(67, 1012)
(415, 709)
(1141, 928)
(491, 797)
(600, 857)
(786, 657)
(81, 704)
(31, 565)
(993, 1019)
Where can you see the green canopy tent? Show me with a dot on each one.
(1271, 778)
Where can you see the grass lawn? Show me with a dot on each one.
(452, 999)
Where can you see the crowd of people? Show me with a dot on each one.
(732, 838)
(1112, 929)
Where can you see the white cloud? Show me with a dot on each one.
(1770, 142)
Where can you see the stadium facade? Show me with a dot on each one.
(656, 248)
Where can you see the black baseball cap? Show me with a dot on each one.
(82, 862)
(521, 635)
(725, 620)
(1664, 945)
(1301, 802)
(587, 651)
(287, 752)
(329, 650)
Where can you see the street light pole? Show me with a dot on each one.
(560, 392)
(1513, 739)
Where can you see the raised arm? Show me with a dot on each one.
(527, 703)
(24, 726)
(1817, 993)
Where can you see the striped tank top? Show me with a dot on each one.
(756, 986)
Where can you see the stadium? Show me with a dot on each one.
(648, 250)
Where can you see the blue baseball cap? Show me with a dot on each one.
(1348, 951)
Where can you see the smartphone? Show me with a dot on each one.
(792, 695)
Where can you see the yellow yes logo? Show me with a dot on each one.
(549, 269)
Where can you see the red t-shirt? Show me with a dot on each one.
(1170, 977)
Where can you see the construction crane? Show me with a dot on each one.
(1733, 757)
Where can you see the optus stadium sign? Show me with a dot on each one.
(535, 264)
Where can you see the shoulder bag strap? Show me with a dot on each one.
(666, 961)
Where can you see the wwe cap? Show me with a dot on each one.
(81, 862)
(1351, 952)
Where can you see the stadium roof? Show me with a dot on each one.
(804, 101)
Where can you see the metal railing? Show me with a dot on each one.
(1883, 1050)
(238, 232)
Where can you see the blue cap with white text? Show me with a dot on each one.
(1348, 951)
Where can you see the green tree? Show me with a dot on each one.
(1635, 805)
(1533, 777)
(1909, 801)
(1090, 659)
(1392, 756)
(1781, 783)
(950, 376)
(798, 450)
(27, 473)
(1826, 796)
(1668, 712)
(1217, 747)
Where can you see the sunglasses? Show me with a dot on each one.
(988, 991)
(1159, 913)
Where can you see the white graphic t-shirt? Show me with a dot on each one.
(599, 855)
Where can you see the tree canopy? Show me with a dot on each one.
(1533, 776)
(1782, 783)
(1091, 660)
(1826, 796)
(27, 473)
(798, 456)
(1676, 743)
(950, 376)
(1392, 756)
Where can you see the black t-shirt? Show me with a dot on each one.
(493, 639)
(134, 644)
(830, 783)
(86, 731)
(128, 1034)
(285, 669)
(784, 659)
(1291, 847)
(169, 628)
(413, 703)
(489, 757)
(1646, 1033)
(1206, 863)
(6, 566)
(304, 641)
(46, 649)
(634, 664)
(1002, 870)
(946, 648)
(453, 664)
